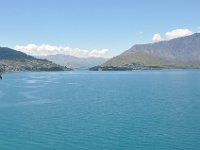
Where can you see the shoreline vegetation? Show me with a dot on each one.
(29, 65)
(101, 70)
(112, 68)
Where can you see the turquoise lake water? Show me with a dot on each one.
(143, 110)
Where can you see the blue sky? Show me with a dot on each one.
(115, 25)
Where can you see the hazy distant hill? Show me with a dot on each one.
(74, 62)
(12, 60)
(181, 52)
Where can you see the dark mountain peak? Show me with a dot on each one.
(182, 45)
(186, 40)
(8, 53)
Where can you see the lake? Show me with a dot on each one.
(82, 110)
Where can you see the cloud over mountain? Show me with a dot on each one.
(157, 38)
(178, 33)
(46, 49)
(172, 35)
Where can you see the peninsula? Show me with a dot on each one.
(12, 60)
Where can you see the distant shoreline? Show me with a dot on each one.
(177, 69)
(111, 68)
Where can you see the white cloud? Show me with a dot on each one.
(157, 38)
(178, 33)
(139, 33)
(173, 34)
(46, 49)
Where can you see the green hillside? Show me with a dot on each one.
(12, 60)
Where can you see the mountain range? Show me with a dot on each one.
(74, 62)
(183, 52)
(179, 53)
(12, 60)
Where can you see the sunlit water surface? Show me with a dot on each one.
(145, 110)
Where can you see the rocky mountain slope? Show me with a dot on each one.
(177, 53)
